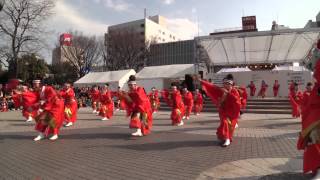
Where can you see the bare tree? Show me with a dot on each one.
(21, 27)
(83, 54)
(1, 4)
(126, 49)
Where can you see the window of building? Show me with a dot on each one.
(142, 25)
(142, 33)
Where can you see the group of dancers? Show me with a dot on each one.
(264, 88)
(50, 108)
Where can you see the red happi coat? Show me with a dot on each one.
(165, 96)
(304, 102)
(295, 101)
(311, 125)
(29, 102)
(140, 110)
(50, 120)
(198, 103)
(263, 90)
(106, 109)
(188, 103)
(178, 107)
(243, 97)
(276, 89)
(154, 100)
(71, 105)
(95, 98)
(121, 100)
(252, 89)
(291, 88)
(16, 99)
(229, 111)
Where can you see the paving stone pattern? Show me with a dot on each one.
(95, 149)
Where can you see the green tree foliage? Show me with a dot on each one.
(31, 67)
(62, 73)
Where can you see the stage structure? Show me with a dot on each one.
(261, 50)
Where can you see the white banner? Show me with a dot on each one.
(283, 76)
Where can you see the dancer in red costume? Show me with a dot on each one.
(198, 102)
(305, 98)
(228, 101)
(16, 97)
(263, 89)
(121, 104)
(70, 103)
(139, 108)
(252, 88)
(51, 112)
(276, 87)
(106, 108)
(29, 101)
(95, 99)
(154, 99)
(309, 139)
(243, 98)
(295, 98)
(174, 99)
(188, 102)
(291, 87)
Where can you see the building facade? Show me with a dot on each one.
(128, 44)
(181, 52)
(152, 29)
(59, 53)
(313, 24)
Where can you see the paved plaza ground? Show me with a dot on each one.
(264, 147)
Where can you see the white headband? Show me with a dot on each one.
(228, 81)
(132, 82)
(36, 81)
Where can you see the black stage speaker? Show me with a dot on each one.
(188, 83)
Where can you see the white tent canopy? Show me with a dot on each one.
(160, 77)
(166, 71)
(114, 78)
(281, 46)
(234, 70)
(290, 68)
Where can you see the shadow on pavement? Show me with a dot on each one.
(163, 146)
(280, 125)
(24, 124)
(123, 136)
(287, 176)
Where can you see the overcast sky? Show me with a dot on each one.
(93, 16)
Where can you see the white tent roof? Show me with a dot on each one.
(234, 70)
(166, 71)
(290, 68)
(89, 78)
(104, 77)
(282, 46)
